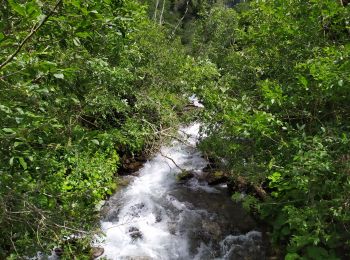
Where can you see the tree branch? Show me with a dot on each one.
(181, 19)
(171, 159)
(35, 28)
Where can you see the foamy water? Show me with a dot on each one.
(155, 218)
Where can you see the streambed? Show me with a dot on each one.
(158, 217)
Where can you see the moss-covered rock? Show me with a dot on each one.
(184, 176)
(216, 177)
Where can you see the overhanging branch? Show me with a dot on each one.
(35, 28)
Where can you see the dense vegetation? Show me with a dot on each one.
(278, 113)
(85, 84)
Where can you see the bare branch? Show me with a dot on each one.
(35, 28)
(171, 159)
(71, 229)
(181, 19)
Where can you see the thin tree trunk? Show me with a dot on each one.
(161, 14)
(155, 11)
(181, 19)
(344, 3)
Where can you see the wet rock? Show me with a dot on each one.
(58, 251)
(112, 215)
(212, 228)
(236, 252)
(240, 252)
(248, 246)
(158, 215)
(135, 210)
(196, 239)
(255, 236)
(216, 177)
(135, 233)
(110, 210)
(184, 176)
(209, 168)
(125, 180)
(158, 218)
(240, 184)
(172, 227)
(96, 252)
(131, 165)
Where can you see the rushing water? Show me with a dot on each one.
(157, 217)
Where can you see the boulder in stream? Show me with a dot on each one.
(97, 252)
(184, 175)
(248, 246)
(215, 177)
(125, 180)
(136, 209)
(135, 233)
(212, 228)
(131, 165)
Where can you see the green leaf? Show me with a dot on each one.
(315, 252)
(11, 160)
(75, 100)
(58, 76)
(18, 8)
(17, 144)
(303, 81)
(276, 176)
(33, 10)
(292, 256)
(95, 141)
(83, 35)
(23, 163)
(2, 36)
(8, 130)
(5, 109)
(76, 41)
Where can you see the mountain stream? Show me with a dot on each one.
(159, 217)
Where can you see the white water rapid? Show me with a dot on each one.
(158, 217)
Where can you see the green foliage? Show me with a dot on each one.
(84, 83)
(278, 114)
(95, 81)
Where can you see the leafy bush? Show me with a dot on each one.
(278, 115)
(83, 84)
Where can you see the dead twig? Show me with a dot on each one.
(171, 159)
(71, 229)
(180, 140)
